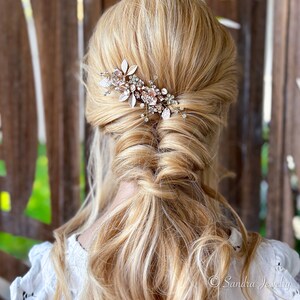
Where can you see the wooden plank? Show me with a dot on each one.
(92, 12)
(57, 31)
(3, 186)
(1, 150)
(108, 3)
(275, 177)
(242, 140)
(295, 107)
(285, 130)
(292, 127)
(12, 267)
(18, 108)
(26, 227)
(252, 114)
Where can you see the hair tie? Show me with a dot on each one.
(134, 89)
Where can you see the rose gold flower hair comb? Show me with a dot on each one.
(133, 89)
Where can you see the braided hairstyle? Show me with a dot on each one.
(166, 240)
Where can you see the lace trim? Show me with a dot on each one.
(25, 295)
(77, 241)
(281, 269)
(235, 239)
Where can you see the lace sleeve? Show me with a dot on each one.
(37, 283)
(285, 263)
(271, 275)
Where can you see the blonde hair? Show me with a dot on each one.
(169, 238)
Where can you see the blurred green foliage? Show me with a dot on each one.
(15, 245)
(39, 205)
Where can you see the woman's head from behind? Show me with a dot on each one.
(165, 241)
(193, 56)
(179, 41)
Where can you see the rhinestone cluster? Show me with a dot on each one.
(134, 89)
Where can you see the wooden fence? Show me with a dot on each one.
(57, 34)
(285, 125)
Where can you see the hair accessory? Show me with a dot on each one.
(134, 89)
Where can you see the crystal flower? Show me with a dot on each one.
(133, 89)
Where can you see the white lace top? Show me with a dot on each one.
(271, 274)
